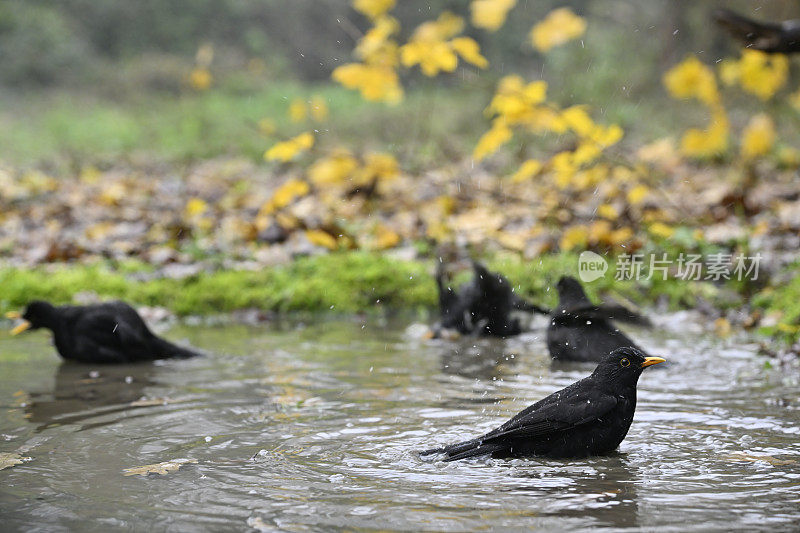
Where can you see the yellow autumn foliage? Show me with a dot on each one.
(373, 8)
(692, 79)
(497, 136)
(758, 137)
(757, 72)
(334, 169)
(527, 170)
(288, 150)
(558, 27)
(709, 142)
(322, 238)
(200, 79)
(284, 195)
(375, 83)
(490, 14)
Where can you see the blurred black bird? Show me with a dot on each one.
(483, 306)
(103, 333)
(590, 417)
(582, 331)
(772, 37)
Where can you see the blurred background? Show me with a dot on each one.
(95, 80)
(177, 139)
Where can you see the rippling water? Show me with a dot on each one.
(315, 426)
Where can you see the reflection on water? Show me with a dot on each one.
(316, 426)
(81, 392)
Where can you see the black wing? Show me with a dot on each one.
(578, 404)
(568, 413)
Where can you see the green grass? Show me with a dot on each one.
(65, 126)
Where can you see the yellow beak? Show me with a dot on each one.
(649, 361)
(13, 315)
(22, 326)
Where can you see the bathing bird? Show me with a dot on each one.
(483, 306)
(110, 332)
(590, 417)
(771, 37)
(582, 331)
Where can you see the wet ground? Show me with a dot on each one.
(315, 426)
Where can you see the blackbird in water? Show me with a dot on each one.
(771, 37)
(483, 306)
(110, 332)
(582, 331)
(590, 417)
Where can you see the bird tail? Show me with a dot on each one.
(167, 350)
(463, 450)
(745, 29)
(522, 304)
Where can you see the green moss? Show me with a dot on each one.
(344, 282)
(783, 302)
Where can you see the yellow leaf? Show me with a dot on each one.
(620, 236)
(578, 120)
(200, 79)
(469, 50)
(659, 229)
(513, 241)
(709, 142)
(333, 169)
(375, 82)
(373, 8)
(376, 46)
(638, 194)
(608, 211)
(297, 110)
(195, 207)
(113, 193)
(490, 14)
(558, 27)
(575, 236)
(692, 79)
(431, 56)
(321, 238)
(526, 171)
(377, 165)
(758, 137)
(287, 150)
(385, 238)
(497, 136)
(449, 25)
(722, 327)
(763, 74)
(284, 195)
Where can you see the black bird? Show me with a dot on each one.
(771, 37)
(582, 331)
(483, 306)
(590, 417)
(110, 332)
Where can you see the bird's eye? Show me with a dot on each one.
(624, 362)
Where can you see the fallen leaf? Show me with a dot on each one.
(7, 460)
(159, 468)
